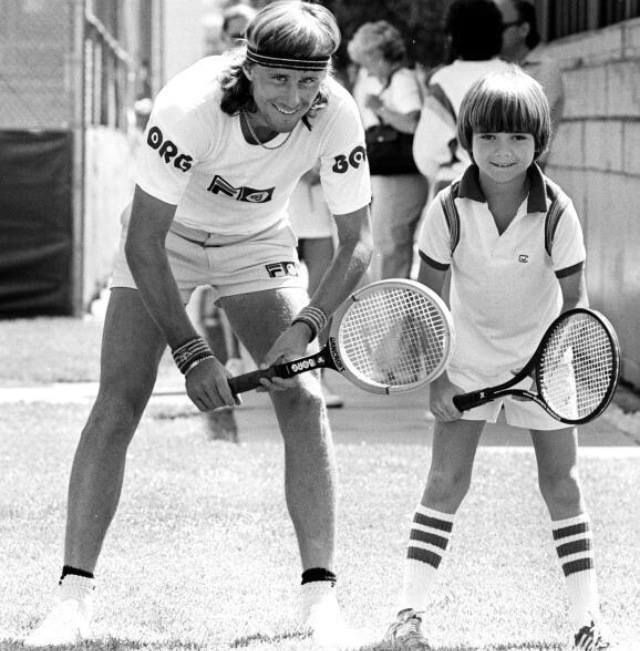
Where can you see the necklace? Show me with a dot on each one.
(258, 141)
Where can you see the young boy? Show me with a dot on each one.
(506, 289)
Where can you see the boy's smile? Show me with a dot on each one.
(503, 157)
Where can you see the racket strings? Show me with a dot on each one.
(577, 367)
(394, 337)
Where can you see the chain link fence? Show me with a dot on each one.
(68, 63)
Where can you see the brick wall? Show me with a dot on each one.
(596, 158)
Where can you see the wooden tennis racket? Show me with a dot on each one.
(576, 368)
(390, 336)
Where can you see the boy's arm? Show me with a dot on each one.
(441, 389)
(431, 277)
(574, 290)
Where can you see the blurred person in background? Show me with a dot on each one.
(520, 38)
(388, 92)
(474, 40)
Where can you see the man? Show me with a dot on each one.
(226, 143)
(520, 37)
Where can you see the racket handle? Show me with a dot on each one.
(249, 381)
(466, 401)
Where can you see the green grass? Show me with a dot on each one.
(53, 349)
(202, 555)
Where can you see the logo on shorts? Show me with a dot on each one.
(279, 269)
(523, 257)
(250, 195)
(168, 150)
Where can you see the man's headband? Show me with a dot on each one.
(309, 63)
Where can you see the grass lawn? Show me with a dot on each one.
(202, 554)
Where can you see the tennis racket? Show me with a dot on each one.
(390, 336)
(576, 369)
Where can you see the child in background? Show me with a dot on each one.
(506, 289)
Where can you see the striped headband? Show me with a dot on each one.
(309, 63)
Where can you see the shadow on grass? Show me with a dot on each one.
(259, 638)
(110, 644)
(116, 644)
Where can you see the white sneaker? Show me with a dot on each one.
(68, 623)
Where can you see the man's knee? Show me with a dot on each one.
(301, 409)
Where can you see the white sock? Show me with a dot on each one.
(573, 539)
(77, 587)
(428, 540)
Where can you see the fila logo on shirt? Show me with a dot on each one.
(251, 195)
(279, 269)
(168, 150)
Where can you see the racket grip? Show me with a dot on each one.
(249, 381)
(466, 401)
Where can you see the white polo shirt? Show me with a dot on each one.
(504, 287)
(195, 156)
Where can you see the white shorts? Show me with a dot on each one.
(309, 213)
(268, 260)
(518, 413)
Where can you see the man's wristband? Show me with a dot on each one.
(314, 318)
(191, 353)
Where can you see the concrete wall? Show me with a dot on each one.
(596, 159)
(108, 190)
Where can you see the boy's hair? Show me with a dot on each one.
(475, 29)
(505, 102)
(287, 29)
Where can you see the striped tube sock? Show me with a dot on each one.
(574, 543)
(428, 540)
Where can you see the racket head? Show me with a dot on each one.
(578, 366)
(392, 336)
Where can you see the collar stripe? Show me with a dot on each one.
(309, 63)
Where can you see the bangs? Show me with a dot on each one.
(507, 113)
(292, 32)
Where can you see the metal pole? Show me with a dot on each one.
(78, 164)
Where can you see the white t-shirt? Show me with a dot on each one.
(196, 157)
(437, 126)
(504, 287)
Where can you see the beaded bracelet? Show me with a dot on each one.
(191, 353)
(314, 317)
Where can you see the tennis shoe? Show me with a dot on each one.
(592, 637)
(405, 633)
(68, 623)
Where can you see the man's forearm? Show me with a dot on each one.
(159, 292)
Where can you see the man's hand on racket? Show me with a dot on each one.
(291, 344)
(208, 387)
(441, 392)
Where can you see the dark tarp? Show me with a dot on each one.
(35, 223)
